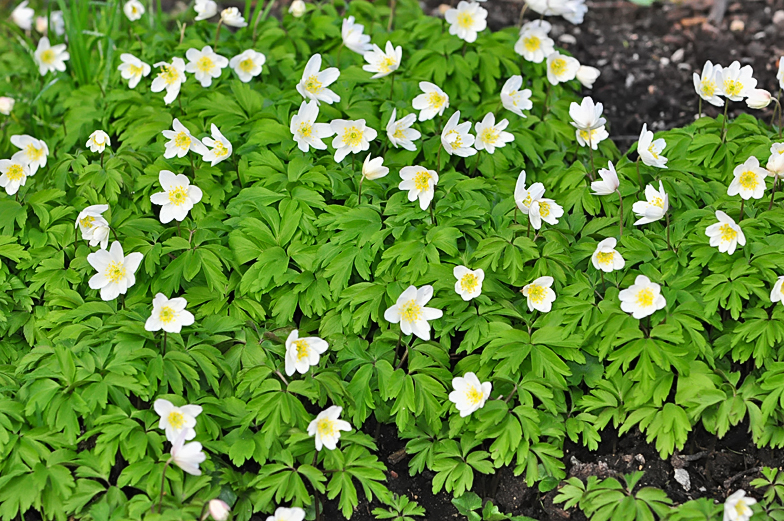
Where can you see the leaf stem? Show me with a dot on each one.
(163, 484)
(281, 377)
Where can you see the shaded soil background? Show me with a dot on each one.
(646, 56)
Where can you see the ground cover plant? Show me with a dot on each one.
(217, 290)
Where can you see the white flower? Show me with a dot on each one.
(181, 141)
(587, 75)
(327, 426)
(205, 9)
(736, 82)
(132, 69)
(233, 18)
(178, 196)
(737, 507)
(248, 64)
(313, 84)
(470, 394)
(431, 102)
(707, 84)
(33, 151)
(539, 294)
(169, 315)
(469, 282)
(455, 137)
(187, 456)
(6, 105)
(410, 312)
(420, 183)
(50, 58)
(780, 73)
(115, 271)
(14, 174)
(400, 133)
(221, 147)
(775, 165)
(572, 10)
(219, 510)
(205, 64)
(650, 150)
(383, 63)
(642, 298)
(525, 196)
(93, 225)
(561, 68)
(58, 22)
(353, 36)
(515, 99)
(543, 209)
(465, 21)
(373, 169)
(307, 133)
(133, 9)
(609, 182)
(170, 78)
(606, 258)
(297, 8)
(725, 234)
(301, 353)
(350, 136)
(749, 180)
(490, 135)
(534, 44)
(592, 137)
(586, 115)
(176, 420)
(654, 207)
(758, 99)
(776, 294)
(98, 141)
(23, 16)
(287, 514)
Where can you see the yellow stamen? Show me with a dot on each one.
(469, 282)
(386, 65)
(305, 129)
(166, 315)
(435, 100)
(473, 395)
(465, 20)
(708, 88)
(47, 56)
(748, 180)
(532, 43)
(544, 208)
(326, 427)
(135, 71)
(87, 221)
(182, 140)
(605, 257)
(558, 66)
(219, 149)
(658, 201)
(490, 135)
(645, 297)
(422, 180)
(205, 64)
(352, 136)
(33, 153)
(247, 65)
(458, 142)
(169, 74)
(313, 85)
(15, 172)
(732, 87)
(411, 311)
(728, 233)
(176, 420)
(303, 349)
(536, 293)
(178, 195)
(115, 271)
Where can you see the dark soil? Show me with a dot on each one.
(646, 57)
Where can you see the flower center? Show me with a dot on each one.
(86, 221)
(558, 66)
(178, 195)
(748, 180)
(489, 135)
(422, 180)
(247, 65)
(532, 43)
(527, 201)
(469, 282)
(436, 100)
(313, 85)
(176, 420)
(33, 153)
(657, 201)
(326, 427)
(169, 74)
(708, 87)
(589, 135)
(465, 20)
(732, 87)
(47, 56)
(166, 315)
(387, 65)
(458, 142)
(352, 136)
(305, 129)
(473, 395)
(605, 257)
(205, 64)
(728, 233)
(135, 71)
(411, 311)
(653, 152)
(219, 149)
(399, 132)
(134, 10)
(15, 172)
(536, 293)
(742, 509)
(544, 208)
(303, 350)
(645, 297)
(182, 140)
(115, 271)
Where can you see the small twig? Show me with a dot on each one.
(728, 482)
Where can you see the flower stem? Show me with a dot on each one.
(359, 193)
(668, 231)
(397, 347)
(773, 192)
(546, 99)
(620, 217)
(163, 484)
(165, 334)
(515, 214)
(392, 85)
(392, 5)
(724, 120)
(604, 286)
(432, 214)
(528, 231)
(217, 32)
(101, 159)
(639, 177)
(473, 168)
(740, 217)
(522, 12)
(590, 153)
(438, 159)
(283, 378)
(699, 108)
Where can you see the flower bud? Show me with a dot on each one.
(297, 8)
(587, 75)
(759, 99)
(6, 105)
(219, 510)
(41, 24)
(776, 165)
